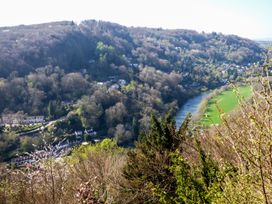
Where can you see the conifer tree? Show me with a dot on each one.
(147, 165)
(158, 172)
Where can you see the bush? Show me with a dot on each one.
(90, 175)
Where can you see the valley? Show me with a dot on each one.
(109, 78)
(135, 102)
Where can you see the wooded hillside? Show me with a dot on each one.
(73, 47)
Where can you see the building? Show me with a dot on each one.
(114, 87)
(34, 119)
(122, 82)
(12, 119)
(20, 119)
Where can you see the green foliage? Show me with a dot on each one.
(83, 152)
(147, 164)
(26, 144)
(160, 49)
(224, 102)
(166, 166)
(157, 171)
(59, 73)
(51, 110)
(9, 143)
(130, 87)
(69, 125)
(89, 112)
(26, 128)
(189, 189)
(92, 174)
(195, 182)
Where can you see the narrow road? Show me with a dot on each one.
(41, 128)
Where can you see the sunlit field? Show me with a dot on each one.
(226, 101)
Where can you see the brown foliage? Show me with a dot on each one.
(92, 179)
(244, 140)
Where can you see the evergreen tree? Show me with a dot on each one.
(50, 110)
(147, 165)
(157, 172)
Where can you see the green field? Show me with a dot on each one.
(226, 101)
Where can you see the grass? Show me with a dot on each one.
(226, 101)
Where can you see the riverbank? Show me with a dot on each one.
(190, 106)
(207, 107)
(221, 101)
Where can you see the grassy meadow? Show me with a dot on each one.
(225, 101)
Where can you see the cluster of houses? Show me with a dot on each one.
(87, 132)
(113, 83)
(59, 150)
(31, 158)
(18, 119)
(230, 71)
(238, 68)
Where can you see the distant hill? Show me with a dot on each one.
(74, 47)
(265, 43)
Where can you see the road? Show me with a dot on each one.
(41, 128)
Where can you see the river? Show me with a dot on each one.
(191, 106)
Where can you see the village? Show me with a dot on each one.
(39, 123)
(58, 150)
(20, 119)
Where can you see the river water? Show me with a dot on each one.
(191, 106)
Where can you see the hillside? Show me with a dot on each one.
(73, 47)
(106, 78)
(73, 97)
(229, 163)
